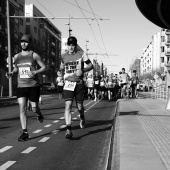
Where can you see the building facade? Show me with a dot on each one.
(17, 29)
(156, 54)
(46, 41)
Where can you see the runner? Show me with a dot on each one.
(134, 81)
(26, 63)
(124, 78)
(60, 83)
(110, 86)
(96, 86)
(102, 87)
(72, 62)
(117, 87)
(90, 85)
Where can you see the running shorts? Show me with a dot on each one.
(78, 93)
(32, 93)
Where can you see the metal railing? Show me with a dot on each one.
(160, 92)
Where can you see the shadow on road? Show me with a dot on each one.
(129, 113)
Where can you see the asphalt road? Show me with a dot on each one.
(47, 148)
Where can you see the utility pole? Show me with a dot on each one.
(69, 24)
(86, 47)
(9, 50)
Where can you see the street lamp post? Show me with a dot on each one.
(9, 50)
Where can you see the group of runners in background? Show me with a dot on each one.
(110, 87)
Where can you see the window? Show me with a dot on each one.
(162, 59)
(21, 22)
(162, 39)
(162, 49)
(35, 29)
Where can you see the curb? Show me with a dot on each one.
(110, 164)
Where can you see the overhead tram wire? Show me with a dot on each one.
(45, 8)
(89, 25)
(98, 25)
(83, 9)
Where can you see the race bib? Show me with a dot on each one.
(69, 85)
(23, 72)
(97, 82)
(102, 83)
(123, 81)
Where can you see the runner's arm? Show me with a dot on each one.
(15, 69)
(38, 59)
(88, 62)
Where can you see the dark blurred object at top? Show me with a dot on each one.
(157, 11)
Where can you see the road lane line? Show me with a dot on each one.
(75, 118)
(37, 131)
(44, 139)
(61, 118)
(55, 132)
(48, 125)
(5, 149)
(62, 126)
(7, 165)
(28, 150)
(56, 121)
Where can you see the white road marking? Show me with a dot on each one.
(7, 165)
(37, 131)
(5, 149)
(75, 118)
(30, 149)
(44, 139)
(62, 126)
(72, 112)
(62, 118)
(56, 121)
(48, 125)
(55, 131)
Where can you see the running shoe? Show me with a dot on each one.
(23, 137)
(69, 134)
(40, 117)
(82, 123)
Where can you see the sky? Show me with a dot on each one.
(123, 33)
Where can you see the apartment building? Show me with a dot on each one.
(46, 40)
(17, 29)
(157, 53)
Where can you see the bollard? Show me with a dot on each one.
(168, 100)
(168, 103)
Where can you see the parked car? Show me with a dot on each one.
(49, 86)
(143, 87)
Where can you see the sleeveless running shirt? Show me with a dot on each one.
(26, 64)
(72, 62)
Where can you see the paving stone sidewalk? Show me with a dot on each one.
(144, 134)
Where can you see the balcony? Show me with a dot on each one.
(167, 42)
(167, 52)
(167, 32)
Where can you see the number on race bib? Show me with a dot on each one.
(69, 85)
(23, 72)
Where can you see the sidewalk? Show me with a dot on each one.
(143, 134)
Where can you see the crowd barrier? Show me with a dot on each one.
(160, 92)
